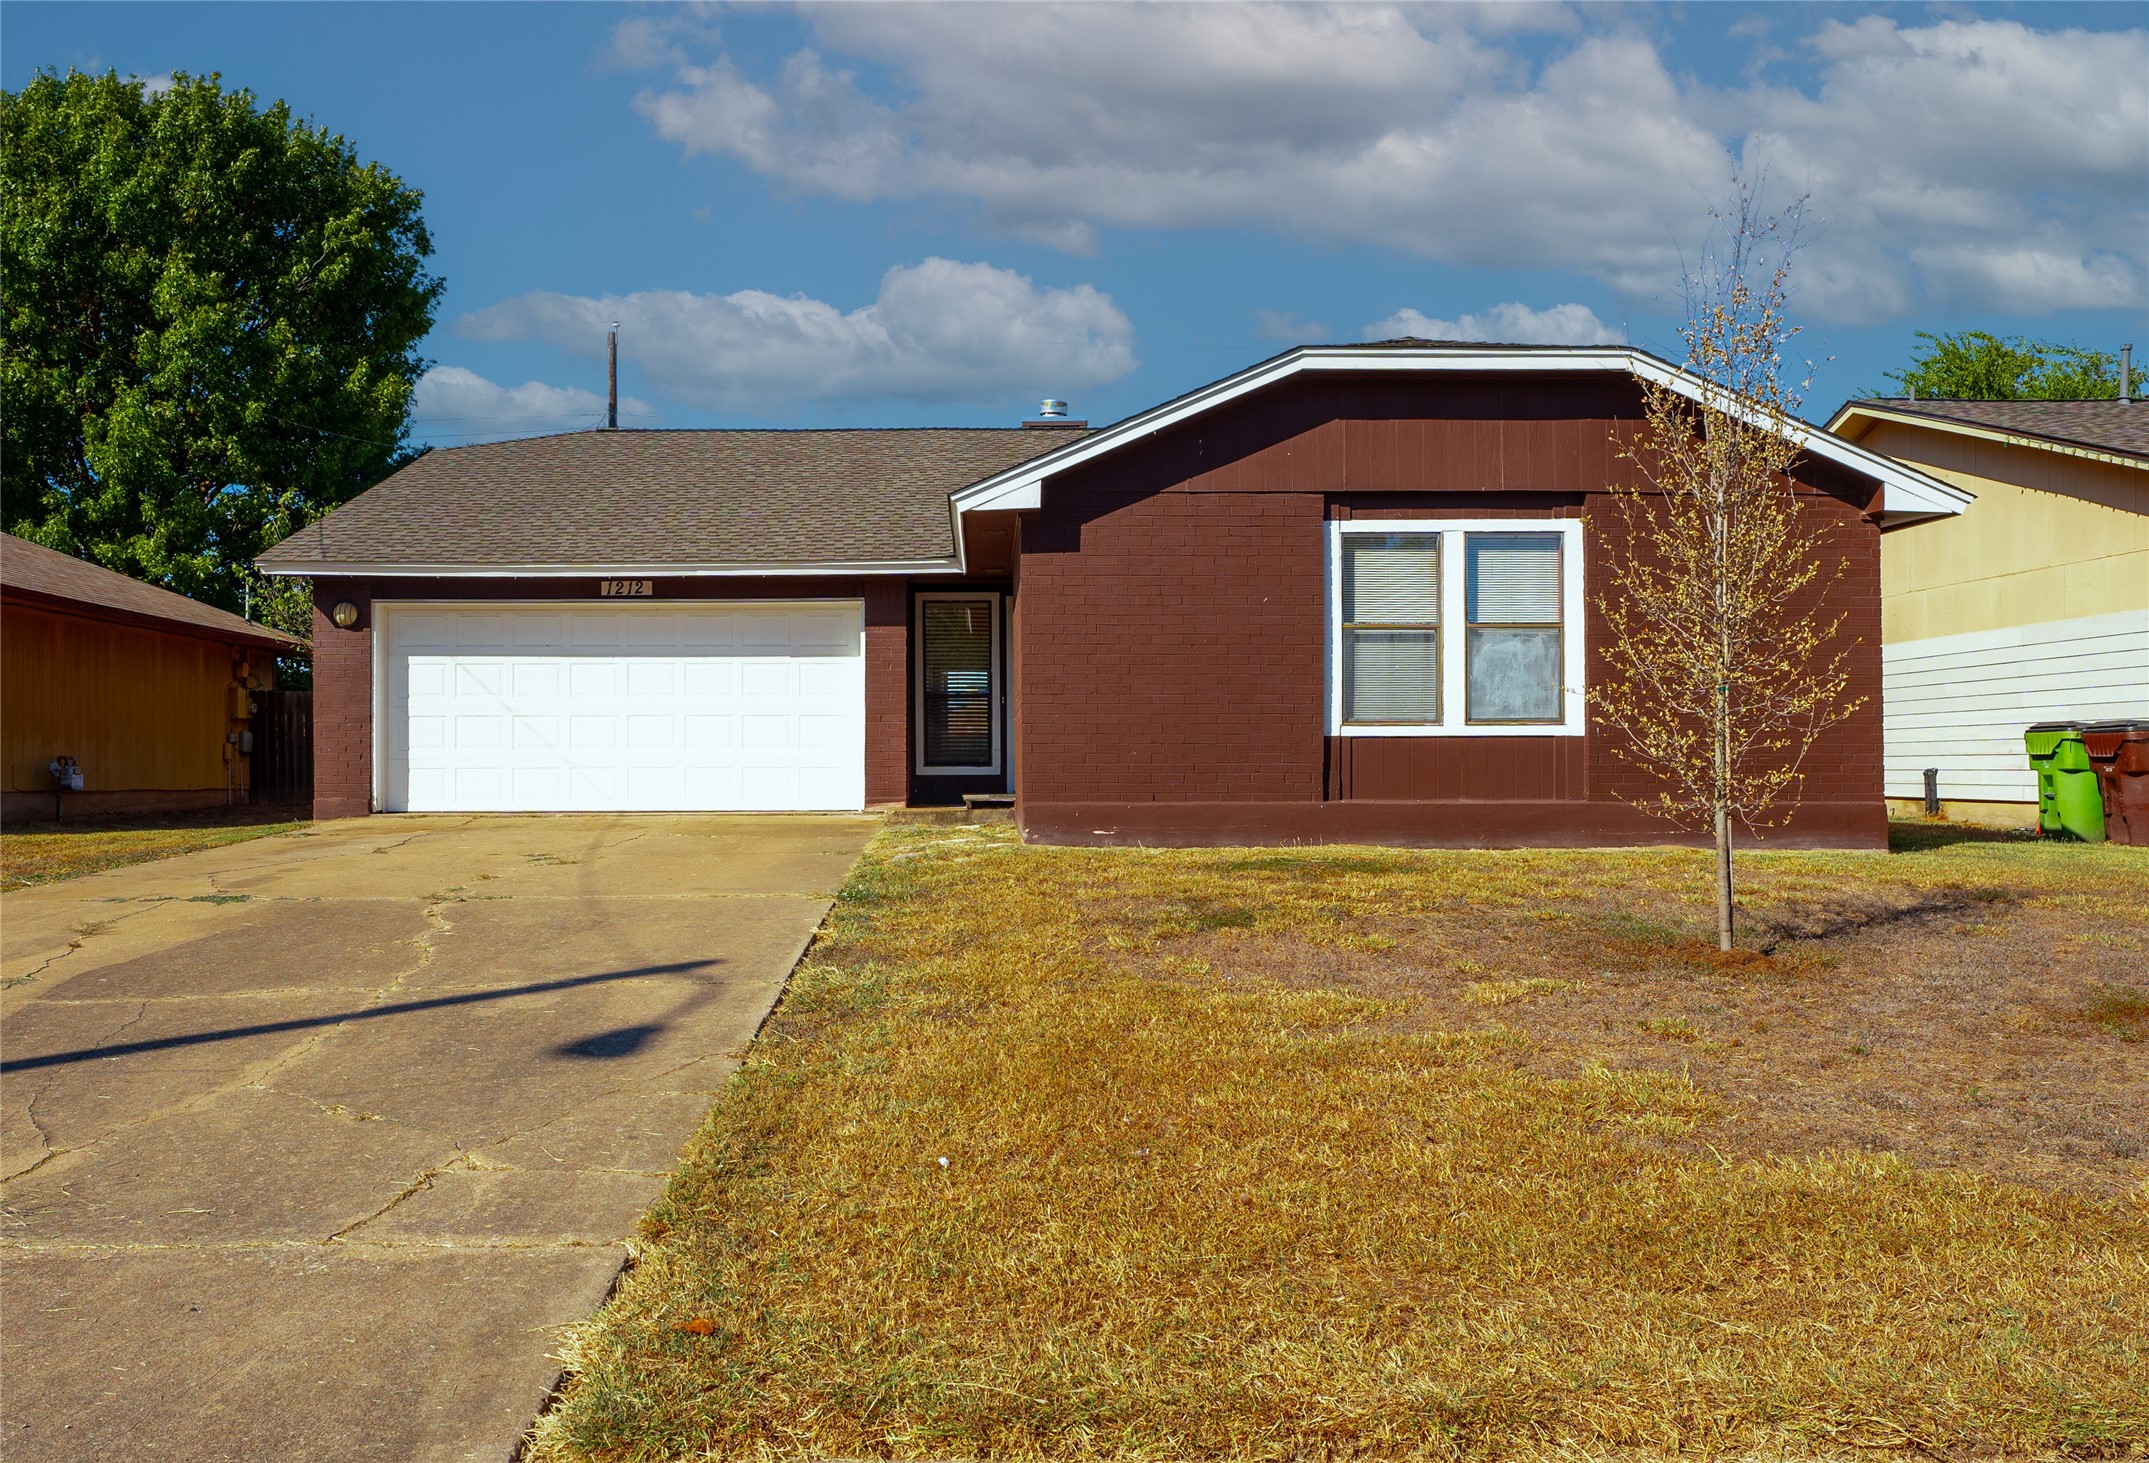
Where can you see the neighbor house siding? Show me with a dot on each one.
(1171, 659)
(1959, 703)
(144, 712)
(2033, 606)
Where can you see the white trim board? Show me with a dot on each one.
(1454, 661)
(1905, 490)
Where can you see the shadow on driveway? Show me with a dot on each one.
(621, 1043)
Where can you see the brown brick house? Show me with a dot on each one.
(1343, 595)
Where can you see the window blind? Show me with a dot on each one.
(1391, 676)
(1391, 637)
(1511, 651)
(1391, 579)
(1514, 579)
(958, 683)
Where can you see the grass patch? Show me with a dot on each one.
(43, 853)
(1508, 992)
(2121, 1010)
(1049, 1154)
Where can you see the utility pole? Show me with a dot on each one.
(611, 394)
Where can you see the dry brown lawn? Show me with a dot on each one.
(41, 852)
(1067, 1153)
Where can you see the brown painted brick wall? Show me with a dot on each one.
(342, 702)
(1172, 634)
(887, 690)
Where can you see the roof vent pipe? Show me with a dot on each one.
(611, 380)
(2126, 373)
(1049, 409)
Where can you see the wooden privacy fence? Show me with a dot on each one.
(283, 747)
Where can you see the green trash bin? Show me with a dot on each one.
(2069, 803)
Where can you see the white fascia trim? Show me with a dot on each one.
(613, 571)
(1853, 414)
(1904, 489)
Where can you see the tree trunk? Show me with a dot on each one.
(1724, 905)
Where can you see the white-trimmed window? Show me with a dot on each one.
(1455, 627)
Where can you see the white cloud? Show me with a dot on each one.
(1948, 159)
(1283, 325)
(1509, 324)
(938, 331)
(452, 402)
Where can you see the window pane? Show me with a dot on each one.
(1391, 579)
(1514, 579)
(1514, 675)
(1391, 675)
(957, 668)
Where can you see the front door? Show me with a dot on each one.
(958, 710)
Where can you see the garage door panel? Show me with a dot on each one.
(712, 678)
(593, 678)
(651, 733)
(625, 707)
(596, 789)
(707, 733)
(536, 679)
(539, 787)
(828, 678)
(538, 630)
(593, 631)
(766, 680)
(478, 733)
(592, 733)
(537, 734)
(653, 678)
(480, 787)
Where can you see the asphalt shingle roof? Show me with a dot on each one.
(27, 568)
(655, 498)
(2102, 426)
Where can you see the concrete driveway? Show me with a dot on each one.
(312, 1145)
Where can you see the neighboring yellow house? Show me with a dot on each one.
(2033, 606)
(149, 691)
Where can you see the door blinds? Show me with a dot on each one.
(958, 682)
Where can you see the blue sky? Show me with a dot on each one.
(893, 215)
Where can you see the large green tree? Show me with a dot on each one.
(1974, 366)
(210, 313)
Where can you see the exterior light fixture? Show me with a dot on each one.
(345, 614)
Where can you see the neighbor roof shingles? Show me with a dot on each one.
(2101, 426)
(32, 569)
(652, 499)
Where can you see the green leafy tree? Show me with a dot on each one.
(209, 319)
(1974, 366)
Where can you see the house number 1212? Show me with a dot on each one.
(634, 588)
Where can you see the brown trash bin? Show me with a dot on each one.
(2119, 750)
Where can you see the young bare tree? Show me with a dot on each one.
(1723, 664)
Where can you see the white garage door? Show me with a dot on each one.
(613, 708)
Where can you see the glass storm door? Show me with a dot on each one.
(958, 661)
